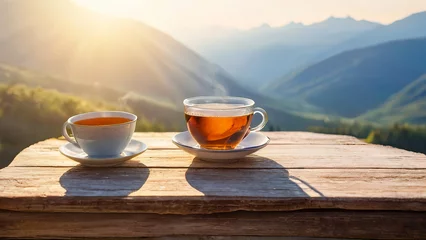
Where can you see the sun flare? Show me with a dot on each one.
(120, 8)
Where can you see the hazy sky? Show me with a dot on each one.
(171, 15)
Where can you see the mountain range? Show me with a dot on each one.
(121, 60)
(388, 76)
(70, 42)
(407, 28)
(125, 58)
(264, 54)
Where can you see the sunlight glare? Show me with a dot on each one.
(119, 8)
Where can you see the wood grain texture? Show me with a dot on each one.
(332, 224)
(46, 154)
(209, 237)
(185, 191)
(301, 185)
(215, 237)
(161, 140)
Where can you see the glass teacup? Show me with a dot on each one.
(221, 123)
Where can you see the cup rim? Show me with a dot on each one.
(250, 102)
(71, 122)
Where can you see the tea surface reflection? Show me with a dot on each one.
(218, 132)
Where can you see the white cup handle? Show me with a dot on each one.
(262, 112)
(65, 134)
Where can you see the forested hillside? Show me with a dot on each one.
(355, 82)
(28, 115)
(406, 106)
(409, 137)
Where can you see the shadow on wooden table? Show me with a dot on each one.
(118, 182)
(251, 176)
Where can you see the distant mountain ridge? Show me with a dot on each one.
(265, 53)
(410, 27)
(122, 56)
(355, 82)
(71, 42)
(293, 32)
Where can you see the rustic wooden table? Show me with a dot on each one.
(301, 185)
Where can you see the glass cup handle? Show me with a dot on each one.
(65, 134)
(262, 112)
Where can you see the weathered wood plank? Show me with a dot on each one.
(184, 191)
(333, 224)
(294, 187)
(305, 138)
(163, 140)
(274, 156)
(215, 237)
(210, 237)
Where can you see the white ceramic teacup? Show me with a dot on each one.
(101, 140)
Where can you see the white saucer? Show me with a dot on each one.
(250, 144)
(75, 153)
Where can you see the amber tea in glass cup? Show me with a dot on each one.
(220, 123)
